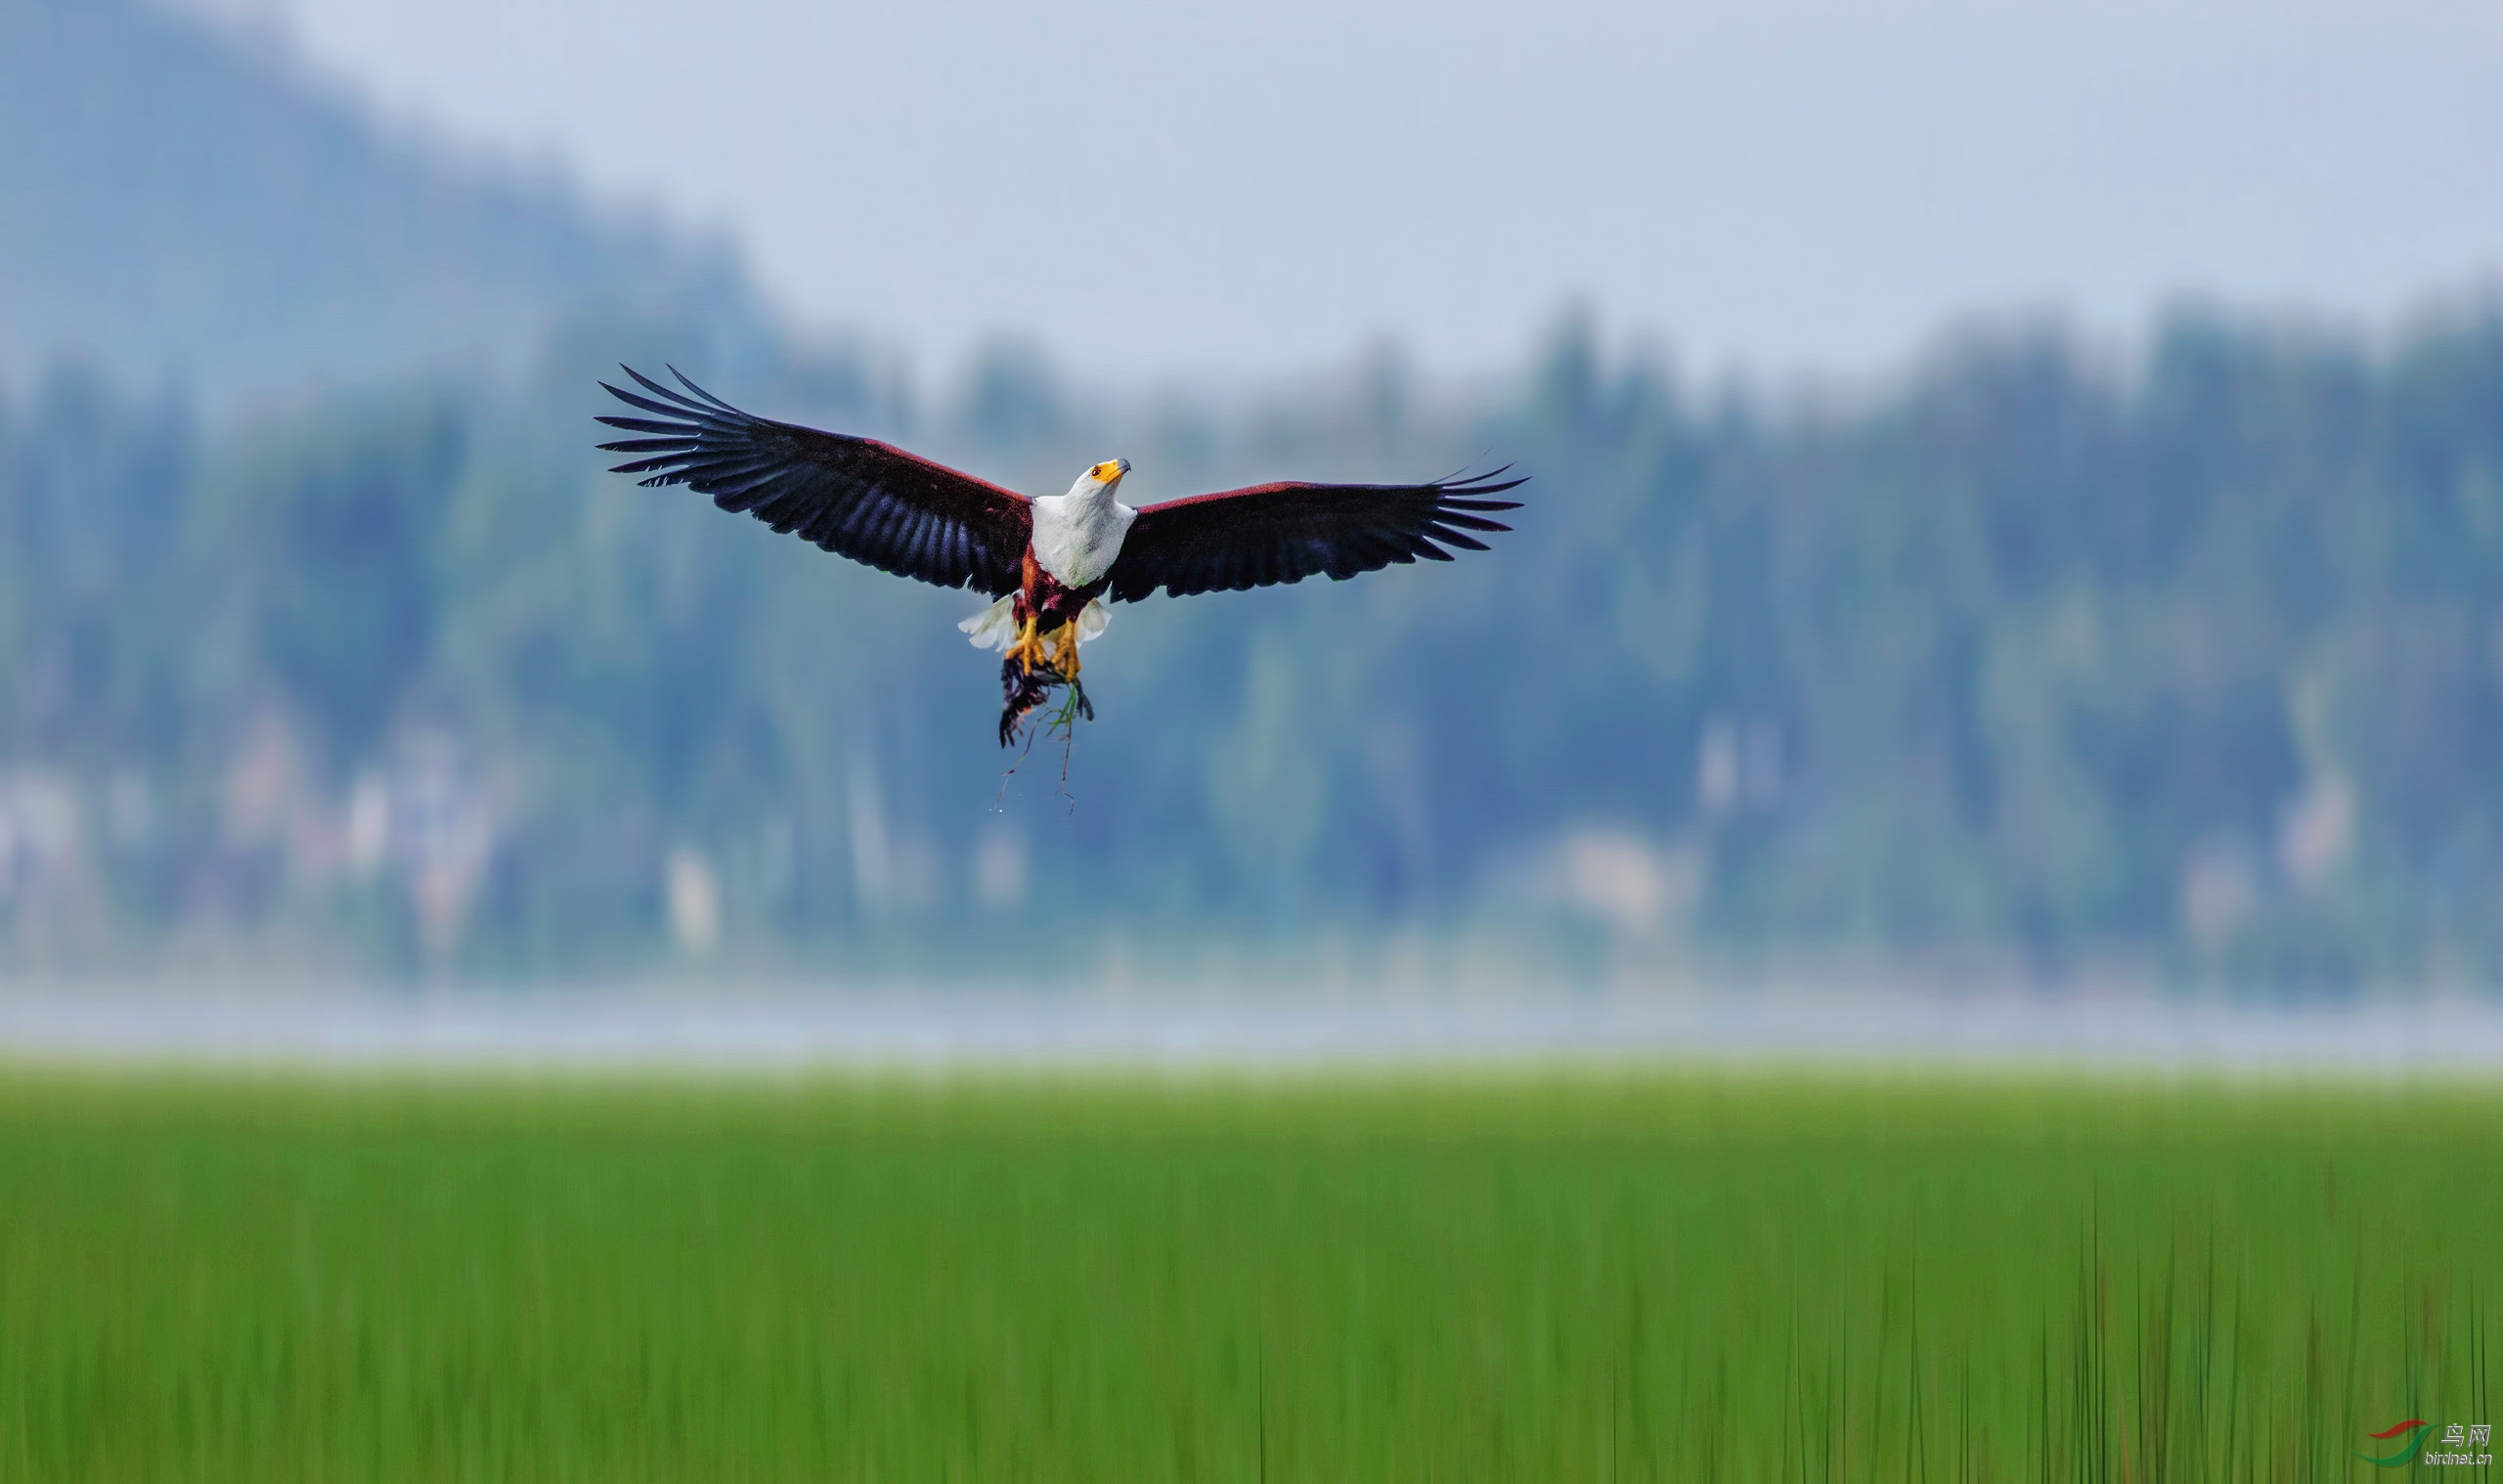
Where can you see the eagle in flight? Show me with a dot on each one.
(1050, 562)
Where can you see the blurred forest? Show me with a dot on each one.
(2035, 664)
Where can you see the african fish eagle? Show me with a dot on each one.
(1050, 561)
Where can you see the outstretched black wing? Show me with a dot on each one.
(855, 496)
(1284, 533)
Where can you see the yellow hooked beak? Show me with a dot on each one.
(1110, 471)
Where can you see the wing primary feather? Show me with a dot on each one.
(631, 399)
(659, 390)
(706, 396)
(645, 425)
(1461, 478)
(677, 399)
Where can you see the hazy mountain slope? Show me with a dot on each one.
(177, 201)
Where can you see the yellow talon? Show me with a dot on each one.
(1028, 648)
(1065, 652)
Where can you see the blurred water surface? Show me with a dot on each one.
(780, 1027)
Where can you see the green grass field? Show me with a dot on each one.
(1662, 1276)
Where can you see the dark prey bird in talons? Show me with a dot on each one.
(1051, 562)
(1025, 688)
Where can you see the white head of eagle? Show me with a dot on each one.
(1052, 561)
(1078, 536)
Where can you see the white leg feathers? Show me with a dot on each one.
(996, 627)
(1092, 620)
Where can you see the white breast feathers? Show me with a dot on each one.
(1077, 536)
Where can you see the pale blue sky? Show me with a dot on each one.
(1232, 189)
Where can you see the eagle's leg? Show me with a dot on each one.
(1065, 649)
(1028, 650)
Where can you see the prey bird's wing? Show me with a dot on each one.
(1284, 533)
(855, 496)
